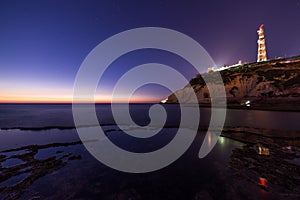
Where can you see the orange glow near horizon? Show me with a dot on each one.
(69, 99)
(42, 94)
(33, 91)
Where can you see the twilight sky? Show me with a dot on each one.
(43, 43)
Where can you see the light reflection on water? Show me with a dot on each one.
(188, 172)
(184, 177)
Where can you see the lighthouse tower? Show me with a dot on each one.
(262, 52)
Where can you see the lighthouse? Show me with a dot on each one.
(262, 52)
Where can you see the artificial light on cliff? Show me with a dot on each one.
(263, 182)
(164, 101)
(263, 150)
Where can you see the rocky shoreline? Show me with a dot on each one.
(268, 161)
(30, 166)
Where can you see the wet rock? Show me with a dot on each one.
(2, 157)
(268, 169)
(203, 195)
(35, 167)
(75, 157)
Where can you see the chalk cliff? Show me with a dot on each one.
(271, 82)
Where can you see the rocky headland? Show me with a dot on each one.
(272, 85)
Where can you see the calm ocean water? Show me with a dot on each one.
(60, 115)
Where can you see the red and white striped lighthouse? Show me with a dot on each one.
(262, 52)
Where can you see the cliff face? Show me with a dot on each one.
(266, 82)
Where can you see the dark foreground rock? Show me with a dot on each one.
(271, 164)
(30, 167)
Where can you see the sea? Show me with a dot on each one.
(42, 156)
